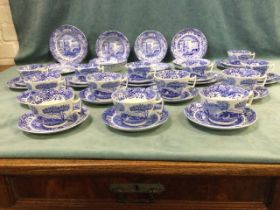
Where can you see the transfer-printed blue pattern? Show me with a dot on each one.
(68, 44)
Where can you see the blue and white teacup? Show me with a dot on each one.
(173, 84)
(29, 70)
(45, 80)
(140, 71)
(224, 104)
(137, 105)
(198, 67)
(259, 65)
(243, 77)
(234, 55)
(82, 70)
(103, 84)
(54, 107)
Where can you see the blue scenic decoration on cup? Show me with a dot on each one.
(136, 106)
(244, 77)
(235, 55)
(54, 107)
(174, 83)
(140, 71)
(103, 84)
(197, 67)
(223, 104)
(261, 66)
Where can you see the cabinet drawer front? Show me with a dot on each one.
(176, 188)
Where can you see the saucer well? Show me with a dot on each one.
(113, 120)
(195, 113)
(87, 96)
(260, 92)
(272, 78)
(29, 123)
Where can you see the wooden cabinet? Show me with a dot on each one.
(96, 184)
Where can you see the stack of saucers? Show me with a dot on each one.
(150, 48)
(40, 80)
(101, 87)
(69, 46)
(52, 111)
(135, 109)
(112, 49)
(176, 85)
(79, 79)
(188, 47)
(248, 79)
(222, 107)
(234, 59)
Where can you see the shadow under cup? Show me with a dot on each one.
(137, 106)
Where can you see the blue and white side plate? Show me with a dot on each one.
(189, 43)
(12, 84)
(260, 92)
(195, 113)
(188, 95)
(272, 78)
(150, 46)
(111, 119)
(29, 123)
(88, 96)
(68, 44)
(112, 44)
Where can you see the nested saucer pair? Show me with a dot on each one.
(17, 83)
(95, 97)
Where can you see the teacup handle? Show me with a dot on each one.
(253, 55)
(160, 100)
(211, 67)
(250, 100)
(271, 66)
(126, 84)
(263, 79)
(100, 68)
(194, 81)
(77, 105)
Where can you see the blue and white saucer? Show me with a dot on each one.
(211, 78)
(260, 92)
(189, 43)
(71, 81)
(195, 113)
(68, 44)
(87, 96)
(111, 119)
(225, 63)
(150, 46)
(29, 123)
(188, 95)
(12, 84)
(112, 44)
(272, 78)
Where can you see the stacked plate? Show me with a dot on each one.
(150, 48)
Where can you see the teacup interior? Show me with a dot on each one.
(43, 76)
(134, 95)
(224, 91)
(104, 76)
(241, 72)
(172, 74)
(50, 96)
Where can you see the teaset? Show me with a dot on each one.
(140, 90)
